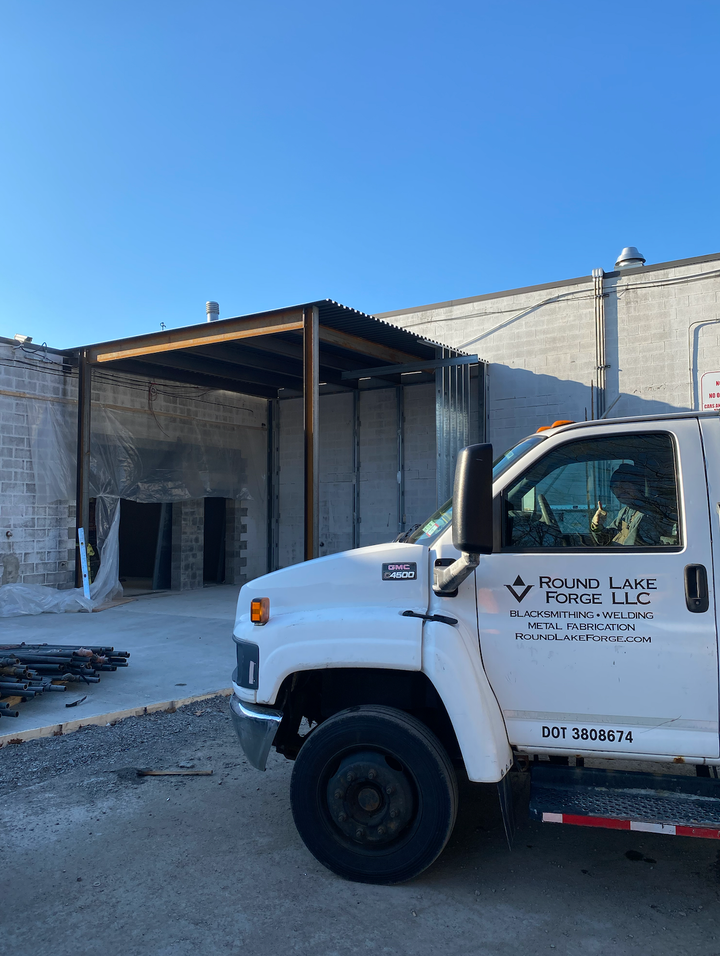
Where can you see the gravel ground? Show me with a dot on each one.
(98, 860)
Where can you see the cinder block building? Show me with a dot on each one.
(212, 480)
(634, 341)
(195, 448)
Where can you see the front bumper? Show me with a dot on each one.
(256, 727)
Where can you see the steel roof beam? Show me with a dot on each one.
(202, 380)
(209, 366)
(354, 343)
(173, 340)
(412, 367)
(289, 372)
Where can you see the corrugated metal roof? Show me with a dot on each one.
(213, 356)
(346, 319)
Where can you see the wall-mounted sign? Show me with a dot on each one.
(710, 391)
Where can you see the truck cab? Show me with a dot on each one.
(557, 614)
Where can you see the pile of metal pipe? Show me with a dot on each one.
(28, 670)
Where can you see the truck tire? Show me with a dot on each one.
(374, 795)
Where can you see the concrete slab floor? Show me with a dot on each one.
(180, 646)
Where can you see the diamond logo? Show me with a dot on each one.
(515, 586)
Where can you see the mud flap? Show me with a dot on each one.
(507, 808)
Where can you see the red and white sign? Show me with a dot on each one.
(710, 391)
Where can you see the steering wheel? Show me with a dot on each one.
(546, 515)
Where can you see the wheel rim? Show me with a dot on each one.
(370, 799)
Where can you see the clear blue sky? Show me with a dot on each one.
(385, 154)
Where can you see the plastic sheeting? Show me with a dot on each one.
(17, 599)
(140, 456)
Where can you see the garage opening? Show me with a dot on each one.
(214, 542)
(145, 546)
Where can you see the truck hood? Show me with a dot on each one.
(392, 575)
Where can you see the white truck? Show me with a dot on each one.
(559, 611)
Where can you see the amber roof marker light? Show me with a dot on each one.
(260, 610)
(557, 424)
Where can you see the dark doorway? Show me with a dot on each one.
(145, 546)
(214, 541)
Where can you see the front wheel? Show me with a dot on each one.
(374, 795)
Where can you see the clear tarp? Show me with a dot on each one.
(138, 455)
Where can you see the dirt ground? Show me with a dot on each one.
(96, 860)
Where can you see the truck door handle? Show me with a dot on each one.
(696, 588)
(440, 618)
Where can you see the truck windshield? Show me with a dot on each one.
(426, 532)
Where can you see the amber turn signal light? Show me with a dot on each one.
(260, 610)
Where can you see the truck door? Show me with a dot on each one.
(598, 631)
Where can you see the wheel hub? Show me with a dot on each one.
(370, 801)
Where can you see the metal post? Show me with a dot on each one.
(400, 401)
(273, 485)
(82, 493)
(600, 356)
(311, 394)
(356, 468)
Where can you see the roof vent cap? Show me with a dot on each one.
(213, 310)
(630, 258)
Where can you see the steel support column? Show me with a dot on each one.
(311, 395)
(600, 352)
(356, 469)
(400, 400)
(82, 492)
(452, 421)
(273, 485)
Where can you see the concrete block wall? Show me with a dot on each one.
(419, 456)
(41, 549)
(377, 471)
(378, 466)
(34, 546)
(188, 522)
(540, 342)
(236, 544)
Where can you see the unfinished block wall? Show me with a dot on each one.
(371, 465)
(34, 545)
(37, 539)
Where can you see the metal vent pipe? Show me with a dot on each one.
(213, 311)
(630, 258)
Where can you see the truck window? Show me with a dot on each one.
(430, 529)
(597, 493)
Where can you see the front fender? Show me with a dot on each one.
(332, 637)
(460, 680)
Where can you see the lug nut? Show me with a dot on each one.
(350, 777)
(372, 774)
(389, 790)
(342, 817)
(359, 834)
(339, 794)
(393, 813)
(381, 831)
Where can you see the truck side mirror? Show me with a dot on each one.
(472, 522)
